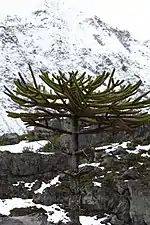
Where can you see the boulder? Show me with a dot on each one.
(9, 139)
(28, 163)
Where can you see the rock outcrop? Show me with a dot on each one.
(116, 184)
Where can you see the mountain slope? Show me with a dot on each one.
(58, 37)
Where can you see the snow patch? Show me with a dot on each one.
(18, 148)
(6, 205)
(89, 220)
(54, 181)
(54, 212)
(97, 184)
(89, 164)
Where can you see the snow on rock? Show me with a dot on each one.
(54, 212)
(97, 184)
(35, 145)
(54, 181)
(88, 220)
(112, 147)
(27, 185)
(18, 148)
(89, 164)
(8, 204)
(57, 213)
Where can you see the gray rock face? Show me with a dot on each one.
(27, 167)
(140, 135)
(25, 220)
(118, 187)
(9, 139)
(27, 164)
(10, 221)
(140, 202)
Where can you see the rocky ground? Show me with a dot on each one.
(115, 187)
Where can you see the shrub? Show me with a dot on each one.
(53, 145)
(27, 149)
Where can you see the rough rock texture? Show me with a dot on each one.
(9, 139)
(35, 219)
(27, 167)
(10, 221)
(140, 201)
(119, 185)
(27, 164)
(140, 135)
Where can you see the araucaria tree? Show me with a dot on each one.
(107, 104)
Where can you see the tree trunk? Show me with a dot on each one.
(74, 201)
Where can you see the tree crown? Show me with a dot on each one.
(101, 101)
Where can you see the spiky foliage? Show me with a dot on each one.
(102, 101)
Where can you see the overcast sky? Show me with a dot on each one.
(132, 15)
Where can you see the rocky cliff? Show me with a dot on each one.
(114, 186)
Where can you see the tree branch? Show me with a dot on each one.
(54, 115)
(33, 123)
(108, 129)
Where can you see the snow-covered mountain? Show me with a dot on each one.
(58, 37)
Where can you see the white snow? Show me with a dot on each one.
(131, 167)
(18, 148)
(54, 181)
(145, 155)
(102, 167)
(54, 212)
(27, 185)
(8, 204)
(140, 147)
(88, 220)
(112, 147)
(140, 163)
(98, 184)
(144, 147)
(89, 164)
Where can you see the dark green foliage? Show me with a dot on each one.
(101, 101)
(34, 135)
(53, 145)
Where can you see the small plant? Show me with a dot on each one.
(131, 146)
(53, 145)
(27, 149)
(33, 135)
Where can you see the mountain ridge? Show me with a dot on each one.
(60, 38)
